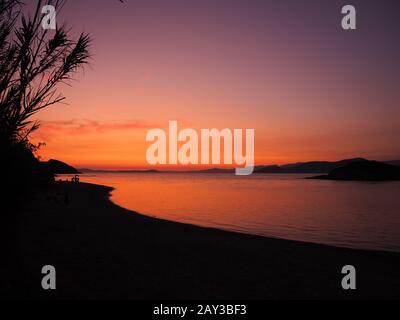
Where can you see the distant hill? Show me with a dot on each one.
(307, 167)
(85, 170)
(213, 170)
(364, 171)
(58, 167)
(270, 169)
(298, 167)
(394, 162)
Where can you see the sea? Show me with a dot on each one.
(363, 215)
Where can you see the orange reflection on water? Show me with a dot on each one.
(352, 214)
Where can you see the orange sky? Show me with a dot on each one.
(310, 90)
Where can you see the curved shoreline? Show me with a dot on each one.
(249, 232)
(100, 251)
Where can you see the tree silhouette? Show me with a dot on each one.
(33, 61)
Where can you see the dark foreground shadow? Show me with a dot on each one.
(102, 251)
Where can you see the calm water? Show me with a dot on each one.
(350, 214)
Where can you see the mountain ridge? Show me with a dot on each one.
(297, 167)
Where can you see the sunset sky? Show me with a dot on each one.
(311, 90)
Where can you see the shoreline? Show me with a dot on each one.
(103, 251)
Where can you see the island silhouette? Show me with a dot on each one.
(364, 171)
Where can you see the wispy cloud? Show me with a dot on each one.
(85, 126)
(49, 129)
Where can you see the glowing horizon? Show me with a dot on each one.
(309, 89)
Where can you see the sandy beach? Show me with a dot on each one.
(102, 251)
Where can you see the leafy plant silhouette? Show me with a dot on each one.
(33, 61)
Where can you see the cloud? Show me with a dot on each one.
(48, 129)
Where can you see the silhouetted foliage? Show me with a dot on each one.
(33, 61)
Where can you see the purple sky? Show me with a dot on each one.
(286, 68)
